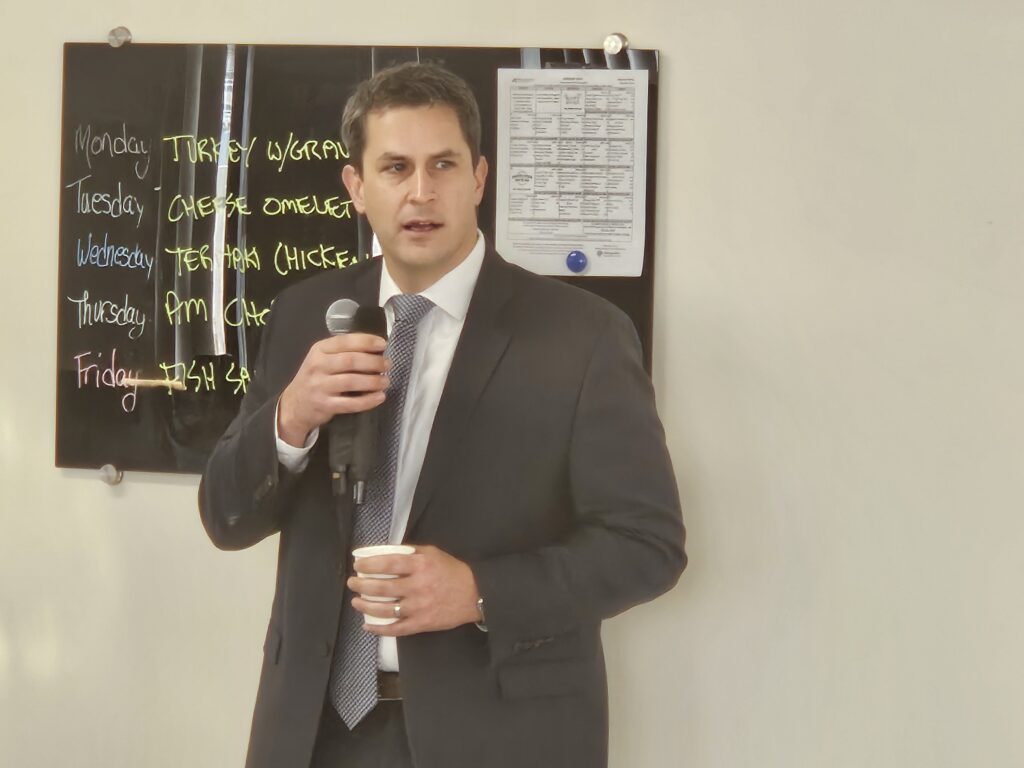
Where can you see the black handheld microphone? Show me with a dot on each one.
(352, 437)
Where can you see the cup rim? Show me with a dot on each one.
(375, 550)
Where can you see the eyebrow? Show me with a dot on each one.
(391, 157)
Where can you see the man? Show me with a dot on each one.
(527, 467)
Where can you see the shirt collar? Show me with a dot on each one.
(453, 291)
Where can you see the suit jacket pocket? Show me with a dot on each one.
(542, 678)
(272, 645)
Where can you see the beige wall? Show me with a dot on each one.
(840, 366)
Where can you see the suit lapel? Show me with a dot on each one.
(481, 345)
(366, 289)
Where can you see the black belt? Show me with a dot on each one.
(388, 687)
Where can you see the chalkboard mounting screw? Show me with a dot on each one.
(111, 475)
(118, 36)
(615, 43)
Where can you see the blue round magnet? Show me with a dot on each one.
(576, 261)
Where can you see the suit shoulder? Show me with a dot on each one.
(328, 286)
(551, 296)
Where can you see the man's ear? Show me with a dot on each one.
(480, 174)
(354, 184)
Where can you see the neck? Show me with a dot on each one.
(416, 281)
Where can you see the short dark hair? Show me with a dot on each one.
(413, 84)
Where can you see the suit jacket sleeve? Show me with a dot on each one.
(244, 487)
(627, 542)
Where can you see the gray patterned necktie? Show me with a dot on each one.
(353, 682)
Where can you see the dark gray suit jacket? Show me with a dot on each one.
(546, 471)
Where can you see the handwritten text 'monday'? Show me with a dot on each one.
(93, 144)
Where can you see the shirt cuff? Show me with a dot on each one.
(293, 459)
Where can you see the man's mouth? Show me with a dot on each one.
(421, 225)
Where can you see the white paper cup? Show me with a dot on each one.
(374, 551)
(383, 549)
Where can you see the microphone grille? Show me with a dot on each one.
(340, 316)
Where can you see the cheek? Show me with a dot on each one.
(469, 200)
(377, 205)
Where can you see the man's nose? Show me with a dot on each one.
(423, 189)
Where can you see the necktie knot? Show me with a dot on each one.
(410, 307)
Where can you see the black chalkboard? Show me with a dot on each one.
(140, 297)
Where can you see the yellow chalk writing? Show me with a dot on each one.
(292, 258)
(311, 149)
(181, 310)
(200, 207)
(308, 205)
(244, 312)
(193, 259)
(208, 149)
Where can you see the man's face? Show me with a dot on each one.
(420, 190)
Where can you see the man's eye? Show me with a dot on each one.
(394, 168)
(445, 164)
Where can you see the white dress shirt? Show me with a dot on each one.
(437, 336)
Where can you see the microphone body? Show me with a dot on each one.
(352, 437)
